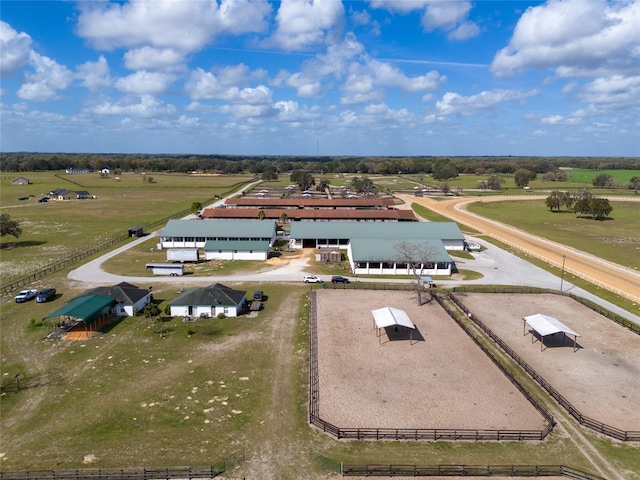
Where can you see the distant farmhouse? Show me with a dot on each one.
(76, 170)
(65, 194)
(20, 181)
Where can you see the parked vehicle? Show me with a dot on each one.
(339, 279)
(43, 199)
(257, 296)
(312, 279)
(45, 295)
(25, 295)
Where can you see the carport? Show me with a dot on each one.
(545, 325)
(93, 311)
(392, 317)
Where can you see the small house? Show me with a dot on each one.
(129, 298)
(209, 301)
(20, 181)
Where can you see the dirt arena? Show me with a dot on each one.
(601, 379)
(440, 380)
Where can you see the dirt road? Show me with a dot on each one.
(615, 278)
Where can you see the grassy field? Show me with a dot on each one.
(616, 239)
(170, 393)
(55, 229)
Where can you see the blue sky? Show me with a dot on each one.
(307, 77)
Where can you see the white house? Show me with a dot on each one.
(129, 298)
(209, 301)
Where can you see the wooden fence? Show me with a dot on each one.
(137, 473)
(625, 436)
(514, 289)
(383, 470)
(75, 257)
(406, 433)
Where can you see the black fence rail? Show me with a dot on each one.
(369, 286)
(75, 257)
(137, 473)
(619, 434)
(634, 327)
(383, 470)
(405, 433)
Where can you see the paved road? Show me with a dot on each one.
(615, 278)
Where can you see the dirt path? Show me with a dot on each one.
(620, 280)
(273, 453)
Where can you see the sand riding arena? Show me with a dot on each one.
(437, 383)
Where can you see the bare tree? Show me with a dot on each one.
(416, 256)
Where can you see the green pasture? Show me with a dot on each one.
(55, 229)
(151, 393)
(616, 239)
(581, 175)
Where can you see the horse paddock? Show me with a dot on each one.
(600, 379)
(438, 380)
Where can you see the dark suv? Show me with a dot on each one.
(339, 279)
(257, 295)
(45, 295)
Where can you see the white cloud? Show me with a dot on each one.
(48, 78)
(616, 91)
(574, 37)
(185, 121)
(455, 104)
(560, 120)
(14, 49)
(206, 86)
(448, 16)
(144, 82)
(143, 106)
(150, 58)
(305, 23)
(186, 26)
(94, 75)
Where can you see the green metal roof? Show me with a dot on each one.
(377, 230)
(88, 309)
(241, 245)
(220, 228)
(376, 250)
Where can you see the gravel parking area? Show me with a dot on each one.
(601, 379)
(440, 380)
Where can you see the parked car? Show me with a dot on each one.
(312, 279)
(257, 296)
(43, 199)
(339, 279)
(45, 295)
(25, 295)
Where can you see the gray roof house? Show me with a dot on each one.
(209, 301)
(195, 233)
(130, 299)
(20, 181)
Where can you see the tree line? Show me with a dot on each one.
(442, 168)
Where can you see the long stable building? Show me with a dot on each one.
(385, 248)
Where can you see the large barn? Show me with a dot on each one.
(385, 248)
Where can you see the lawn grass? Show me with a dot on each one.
(616, 239)
(56, 229)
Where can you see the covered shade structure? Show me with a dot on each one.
(89, 310)
(392, 317)
(545, 325)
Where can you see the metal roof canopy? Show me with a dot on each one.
(87, 309)
(392, 317)
(545, 325)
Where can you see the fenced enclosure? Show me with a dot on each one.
(409, 433)
(619, 434)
